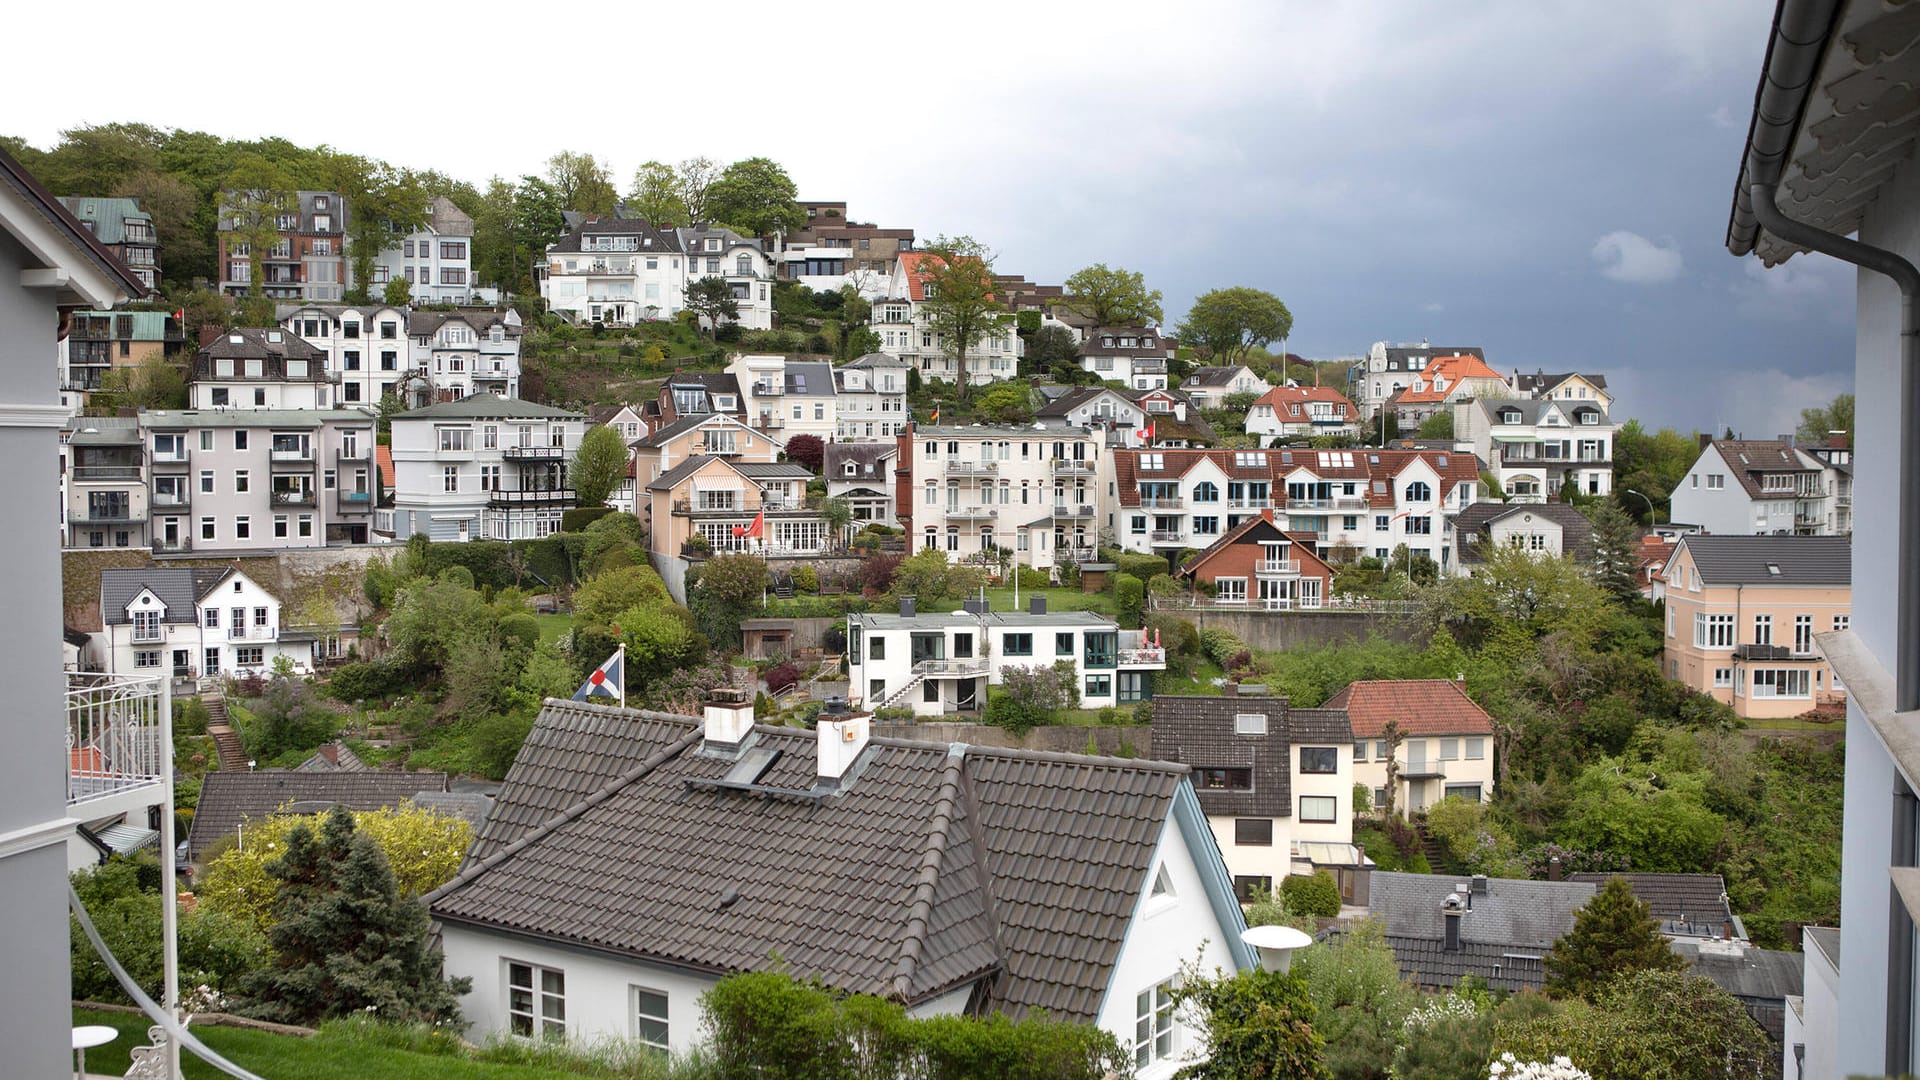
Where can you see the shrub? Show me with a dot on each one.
(806, 579)
(578, 518)
(876, 572)
(781, 676)
(1220, 645)
(1031, 578)
(495, 741)
(1313, 894)
(1265, 909)
(519, 628)
(189, 717)
(1143, 712)
(1130, 597)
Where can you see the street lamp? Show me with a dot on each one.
(1653, 516)
(1275, 945)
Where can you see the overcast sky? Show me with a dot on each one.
(1547, 180)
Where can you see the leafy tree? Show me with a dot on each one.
(287, 718)
(346, 939)
(185, 250)
(1616, 551)
(1112, 297)
(757, 197)
(961, 306)
(1821, 420)
(711, 299)
(599, 465)
(837, 512)
(1005, 403)
(1354, 983)
(1649, 1023)
(1052, 350)
(581, 182)
(1613, 934)
(1129, 599)
(258, 193)
(216, 949)
(1657, 819)
(1258, 1023)
(697, 176)
(1228, 324)
(931, 580)
(1437, 426)
(660, 638)
(727, 589)
(398, 293)
(807, 450)
(381, 201)
(431, 618)
(601, 599)
(1515, 594)
(154, 384)
(655, 196)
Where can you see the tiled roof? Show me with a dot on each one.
(1749, 459)
(471, 805)
(1673, 896)
(1426, 963)
(1373, 469)
(1256, 529)
(1213, 375)
(260, 342)
(1454, 371)
(489, 407)
(932, 868)
(1576, 531)
(1198, 732)
(1282, 398)
(383, 460)
(229, 798)
(333, 757)
(1517, 914)
(178, 587)
(1422, 706)
(869, 459)
(1754, 560)
(677, 475)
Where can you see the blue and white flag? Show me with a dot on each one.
(607, 680)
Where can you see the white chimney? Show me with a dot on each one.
(840, 738)
(729, 717)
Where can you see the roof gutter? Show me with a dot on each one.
(1801, 30)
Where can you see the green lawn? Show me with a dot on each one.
(552, 626)
(1057, 600)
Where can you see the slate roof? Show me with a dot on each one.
(178, 587)
(1762, 979)
(1426, 963)
(229, 798)
(1213, 375)
(677, 475)
(1146, 341)
(931, 868)
(1423, 707)
(869, 460)
(1397, 355)
(1542, 384)
(333, 757)
(1519, 915)
(1748, 560)
(1674, 896)
(88, 245)
(447, 219)
(1064, 404)
(1576, 531)
(808, 378)
(877, 360)
(428, 323)
(260, 342)
(489, 407)
(662, 240)
(1198, 732)
(1750, 459)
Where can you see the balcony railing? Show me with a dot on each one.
(1065, 465)
(534, 453)
(120, 515)
(354, 502)
(972, 468)
(1249, 504)
(771, 423)
(172, 500)
(301, 455)
(971, 513)
(1084, 510)
(1163, 536)
(530, 498)
(362, 456)
(1159, 502)
(731, 506)
(948, 669)
(1142, 657)
(106, 472)
(294, 498)
(114, 734)
(169, 457)
(162, 546)
(1279, 567)
(1335, 502)
(252, 633)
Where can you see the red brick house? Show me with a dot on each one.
(1261, 565)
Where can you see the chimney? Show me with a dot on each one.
(1479, 887)
(1553, 868)
(1451, 910)
(906, 607)
(728, 713)
(840, 737)
(1037, 605)
(209, 334)
(1266, 512)
(1726, 930)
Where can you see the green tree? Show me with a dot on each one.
(288, 717)
(1228, 324)
(155, 384)
(727, 589)
(711, 298)
(962, 308)
(1437, 426)
(756, 197)
(382, 201)
(581, 182)
(1258, 1024)
(931, 580)
(599, 465)
(398, 292)
(1112, 297)
(346, 939)
(1616, 551)
(1649, 1023)
(837, 512)
(696, 176)
(258, 194)
(1613, 934)
(601, 599)
(1052, 351)
(1360, 1001)
(655, 196)
(1823, 420)
(433, 617)
(660, 638)
(1005, 403)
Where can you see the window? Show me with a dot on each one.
(1803, 633)
(249, 656)
(146, 658)
(1099, 686)
(1712, 631)
(1716, 481)
(207, 529)
(1016, 645)
(1722, 678)
(1319, 759)
(876, 648)
(1153, 1025)
(1319, 809)
(1841, 622)
(1223, 779)
(1153, 462)
(1381, 523)
(1063, 644)
(1469, 792)
(1780, 682)
(450, 478)
(1449, 749)
(1763, 629)
(650, 1017)
(239, 440)
(1418, 491)
(456, 439)
(241, 483)
(146, 626)
(536, 1001)
(1360, 751)
(1246, 886)
(1476, 749)
(1253, 832)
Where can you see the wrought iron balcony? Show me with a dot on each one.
(534, 453)
(114, 734)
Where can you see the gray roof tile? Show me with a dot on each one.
(178, 587)
(229, 798)
(1512, 913)
(1749, 560)
(1199, 732)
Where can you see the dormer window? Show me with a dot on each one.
(1509, 416)
(713, 243)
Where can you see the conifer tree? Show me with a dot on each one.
(1613, 934)
(346, 940)
(1616, 545)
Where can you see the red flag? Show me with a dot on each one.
(1146, 433)
(756, 529)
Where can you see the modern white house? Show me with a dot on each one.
(365, 349)
(1276, 783)
(483, 467)
(1209, 387)
(1034, 491)
(944, 662)
(456, 353)
(791, 397)
(618, 271)
(1536, 446)
(872, 396)
(104, 501)
(435, 260)
(936, 876)
(191, 622)
(1758, 487)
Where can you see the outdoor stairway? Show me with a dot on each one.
(900, 695)
(226, 741)
(783, 587)
(1432, 848)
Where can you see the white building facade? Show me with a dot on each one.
(1744, 487)
(1032, 491)
(620, 272)
(483, 467)
(1536, 446)
(872, 397)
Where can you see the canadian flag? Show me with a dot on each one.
(756, 529)
(1146, 433)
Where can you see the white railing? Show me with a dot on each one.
(1160, 502)
(1142, 657)
(1162, 536)
(115, 737)
(250, 633)
(1276, 566)
(936, 668)
(1249, 504)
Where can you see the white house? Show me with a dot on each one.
(1548, 530)
(931, 875)
(904, 322)
(435, 260)
(1291, 412)
(1134, 356)
(1758, 487)
(1209, 387)
(619, 271)
(1276, 783)
(456, 353)
(1032, 490)
(260, 369)
(872, 396)
(1389, 369)
(942, 662)
(365, 348)
(1536, 446)
(191, 622)
(483, 467)
(862, 474)
(792, 397)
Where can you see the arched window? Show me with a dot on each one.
(1418, 491)
(1206, 491)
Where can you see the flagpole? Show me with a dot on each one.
(622, 653)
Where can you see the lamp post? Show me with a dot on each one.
(1653, 516)
(1275, 945)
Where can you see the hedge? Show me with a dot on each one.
(578, 518)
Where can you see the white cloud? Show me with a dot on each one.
(1631, 258)
(1724, 119)
(1433, 308)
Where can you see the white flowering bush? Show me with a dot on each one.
(1507, 1067)
(1439, 1010)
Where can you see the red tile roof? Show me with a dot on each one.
(1422, 706)
(383, 459)
(1373, 468)
(1280, 397)
(1453, 369)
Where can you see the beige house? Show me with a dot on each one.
(1446, 741)
(700, 435)
(733, 505)
(1742, 612)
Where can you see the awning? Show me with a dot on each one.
(1497, 437)
(126, 839)
(1330, 854)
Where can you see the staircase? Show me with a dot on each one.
(783, 586)
(900, 695)
(1432, 848)
(226, 741)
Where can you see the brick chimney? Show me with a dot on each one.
(209, 333)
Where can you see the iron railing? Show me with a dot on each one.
(115, 736)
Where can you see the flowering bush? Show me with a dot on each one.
(1507, 1067)
(1441, 1009)
(1573, 860)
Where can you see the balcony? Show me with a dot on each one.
(1249, 504)
(88, 473)
(1163, 536)
(971, 513)
(769, 389)
(1162, 502)
(1277, 568)
(1335, 502)
(353, 502)
(112, 515)
(352, 457)
(1768, 652)
(114, 735)
(1064, 510)
(165, 500)
(298, 497)
(1065, 465)
(971, 667)
(252, 633)
(1146, 656)
(169, 457)
(771, 423)
(705, 507)
(178, 545)
(534, 453)
(547, 497)
(973, 468)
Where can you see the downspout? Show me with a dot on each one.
(1906, 660)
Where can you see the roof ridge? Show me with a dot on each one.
(602, 794)
(933, 855)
